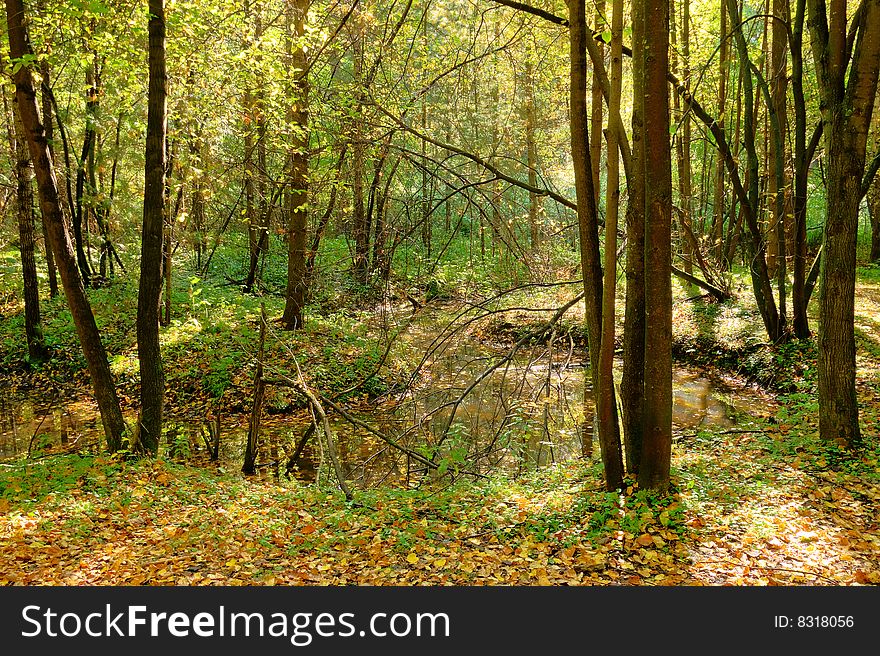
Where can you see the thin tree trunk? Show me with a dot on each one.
(48, 126)
(873, 197)
(298, 163)
(606, 405)
(719, 204)
(632, 384)
(252, 446)
(801, 175)
(588, 226)
(778, 153)
(25, 201)
(531, 150)
(599, 26)
(761, 284)
(149, 355)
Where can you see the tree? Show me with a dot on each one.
(298, 168)
(847, 104)
(588, 227)
(632, 383)
(89, 337)
(149, 355)
(24, 197)
(606, 405)
(654, 102)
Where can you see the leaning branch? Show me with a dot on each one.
(720, 294)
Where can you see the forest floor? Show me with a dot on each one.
(765, 503)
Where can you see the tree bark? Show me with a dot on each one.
(657, 436)
(81, 311)
(48, 127)
(802, 159)
(531, 150)
(298, 164)
(632, 384)
(149, 355)
(873, 197)
(847, 104)
(37, 351)
(588, 226)
(606, 405)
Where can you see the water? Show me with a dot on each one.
(530, 408)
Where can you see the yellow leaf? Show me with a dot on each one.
(412, 559)
(440, 562)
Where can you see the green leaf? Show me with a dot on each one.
(606, 36)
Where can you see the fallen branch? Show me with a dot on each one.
(716, 292)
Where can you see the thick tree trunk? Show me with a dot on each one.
(847, 107)
(298, 163)
(149, 356)
(81, 311)
(588, 226)
(657, 437)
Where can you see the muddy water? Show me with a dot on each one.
(529, 408)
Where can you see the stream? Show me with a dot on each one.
(528, 409)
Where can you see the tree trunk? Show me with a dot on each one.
(874, 197)
(48, 127)
(25, 201)
(259, 230)
(874, 212)
(657, 437)
(298, 163)
(588, 225)
(149, 356)
(81, 311)
(606, 405)
(718, 205)
(802, 159)
(847, 106)
(531, 150)
(80, 211)
(778, 180)
(683, 133)
(252, 446)
(760, 276)
(632, 383)
(359, 228)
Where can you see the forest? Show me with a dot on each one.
(445, 292)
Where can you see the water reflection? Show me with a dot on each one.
(472, 405)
